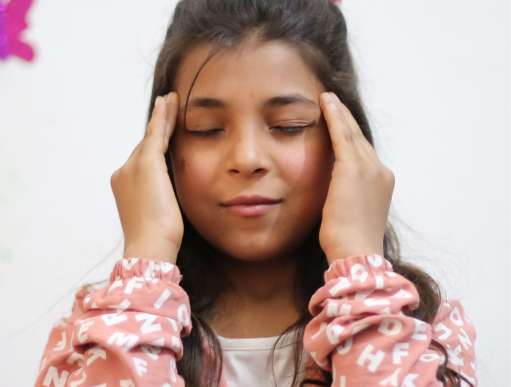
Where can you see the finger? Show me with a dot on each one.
(156, 127)
(167, 116)
(153, 112)
(134, 151)
(353, 125)
(340, 131)
(147, 130)
(157, 116)
(172, 109)
(360, 141)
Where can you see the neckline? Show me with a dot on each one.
(256, 343)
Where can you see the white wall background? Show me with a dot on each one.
(435, 77)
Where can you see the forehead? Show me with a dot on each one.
(254, 71)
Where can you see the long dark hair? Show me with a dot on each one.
(317, 29)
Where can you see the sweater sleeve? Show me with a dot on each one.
(360, 333)
(125, 334)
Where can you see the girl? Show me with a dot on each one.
(276, 241)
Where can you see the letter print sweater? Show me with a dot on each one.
(129, 332)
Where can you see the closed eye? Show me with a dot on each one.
(291, 129)
(204, 133)
(284, 129)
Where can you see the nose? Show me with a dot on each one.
(248, 153)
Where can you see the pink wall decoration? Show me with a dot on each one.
(12, 24)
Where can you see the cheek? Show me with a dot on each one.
(194, 177)
(307, 169)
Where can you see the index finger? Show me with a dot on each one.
(341, 133)
(155, 136)
(158, 118)
(172, 105)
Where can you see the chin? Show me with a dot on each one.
(253, 253)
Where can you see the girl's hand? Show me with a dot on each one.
(358, 200)
(148, 209)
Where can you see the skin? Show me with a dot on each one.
(250, 156)
(329, 170)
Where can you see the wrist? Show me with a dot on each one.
(151, 249)
(342, 253)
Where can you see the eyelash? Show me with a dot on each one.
(212, 132)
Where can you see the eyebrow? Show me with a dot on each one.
(277, 101)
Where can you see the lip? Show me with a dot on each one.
(247, 200)
(251, 210)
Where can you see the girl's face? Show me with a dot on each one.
(247, 154)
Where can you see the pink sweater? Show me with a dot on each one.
(129, 332)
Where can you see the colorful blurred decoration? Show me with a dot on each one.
(12, 24)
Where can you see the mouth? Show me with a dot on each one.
(252, 210)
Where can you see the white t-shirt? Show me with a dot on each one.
(247, 362)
